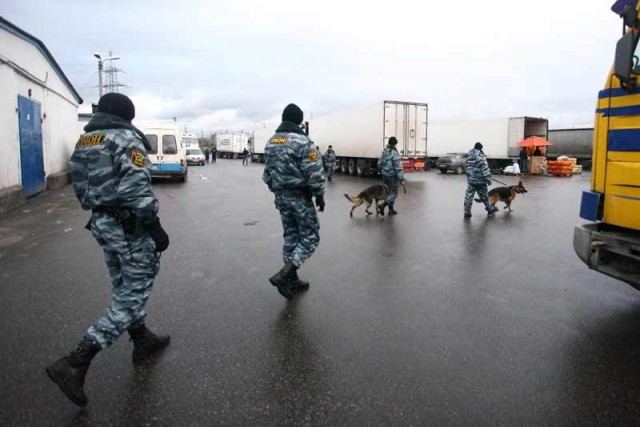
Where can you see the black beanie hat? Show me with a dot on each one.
(117, 104)
(393, 140)
(478, 146)
(292, 113)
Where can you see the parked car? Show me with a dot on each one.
(195, 156)
(456, 162)
(167, 153)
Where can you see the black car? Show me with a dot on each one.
(456, 162)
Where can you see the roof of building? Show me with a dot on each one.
(6, 25)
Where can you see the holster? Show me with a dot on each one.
(127, 220)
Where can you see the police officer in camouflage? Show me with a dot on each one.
(293, 172)
(478, 178)
(330, 158)
(390, 167)
(111, 176)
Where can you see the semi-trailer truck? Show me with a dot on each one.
(359, 135)
(498, 136)
(610, 241)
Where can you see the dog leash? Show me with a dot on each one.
(500, 182)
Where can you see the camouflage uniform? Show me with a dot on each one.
(293, 172)
(392, 173)
(478, 177)
(110, 169)
(330, 158)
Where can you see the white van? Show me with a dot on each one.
(167, 153)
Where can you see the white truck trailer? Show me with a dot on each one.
(359, 135)
(498, 137)
(259, 139)
(231, 144)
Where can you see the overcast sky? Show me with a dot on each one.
(235, 64)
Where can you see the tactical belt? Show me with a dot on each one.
(298, 192)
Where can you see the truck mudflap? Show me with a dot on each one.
(609, 250)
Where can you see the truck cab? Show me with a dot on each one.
(610, 241)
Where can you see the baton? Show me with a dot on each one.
(404, 188)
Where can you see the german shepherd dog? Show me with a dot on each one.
(375, 192)
(505, 194)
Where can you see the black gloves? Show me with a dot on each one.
(158, 235)
(320, 202)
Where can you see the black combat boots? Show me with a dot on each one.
(70, 371)
(381, 208)
(285, 280)
(391, 210)
(299, 285)
(146, 343)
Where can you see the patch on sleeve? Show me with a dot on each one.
(89, 140)
(313, 155)
(278, 140)
(137, 158)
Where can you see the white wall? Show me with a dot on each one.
(58, 107)
(9, 145)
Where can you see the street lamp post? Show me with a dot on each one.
(100, 67)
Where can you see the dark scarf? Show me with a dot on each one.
(104, 121)
(288, 127)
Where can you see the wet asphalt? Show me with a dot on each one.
(420, 319)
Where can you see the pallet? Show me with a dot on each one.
(560, 174)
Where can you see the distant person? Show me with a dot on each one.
(330, 160)
(537, 152)
(293, 172)
(124, 220)
(478, 178)
(524, 157)
(390, 167)
(245, 157)
(214, 154)
(207, 152)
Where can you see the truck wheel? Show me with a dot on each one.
(443, 171)
(459, 170)
(344, 168)
(352, 166)
(367, 167)
(360, 167)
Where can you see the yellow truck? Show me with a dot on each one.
(610, 243)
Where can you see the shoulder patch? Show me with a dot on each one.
(89, 140)
(278, 140)
(137, 158)
(313, 155)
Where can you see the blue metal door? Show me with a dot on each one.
(31, 155)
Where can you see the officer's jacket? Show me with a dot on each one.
(110, 168)
(478, 171)
(292, 162)
(390, 165)
(330, 156)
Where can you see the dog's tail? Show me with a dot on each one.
(352, 199)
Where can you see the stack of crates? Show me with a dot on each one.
(577, 169)
(560, 167)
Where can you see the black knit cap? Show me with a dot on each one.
(393, 140)
(117, 104)
(478, 146)
(292, 113)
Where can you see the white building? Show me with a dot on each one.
(38, 117)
